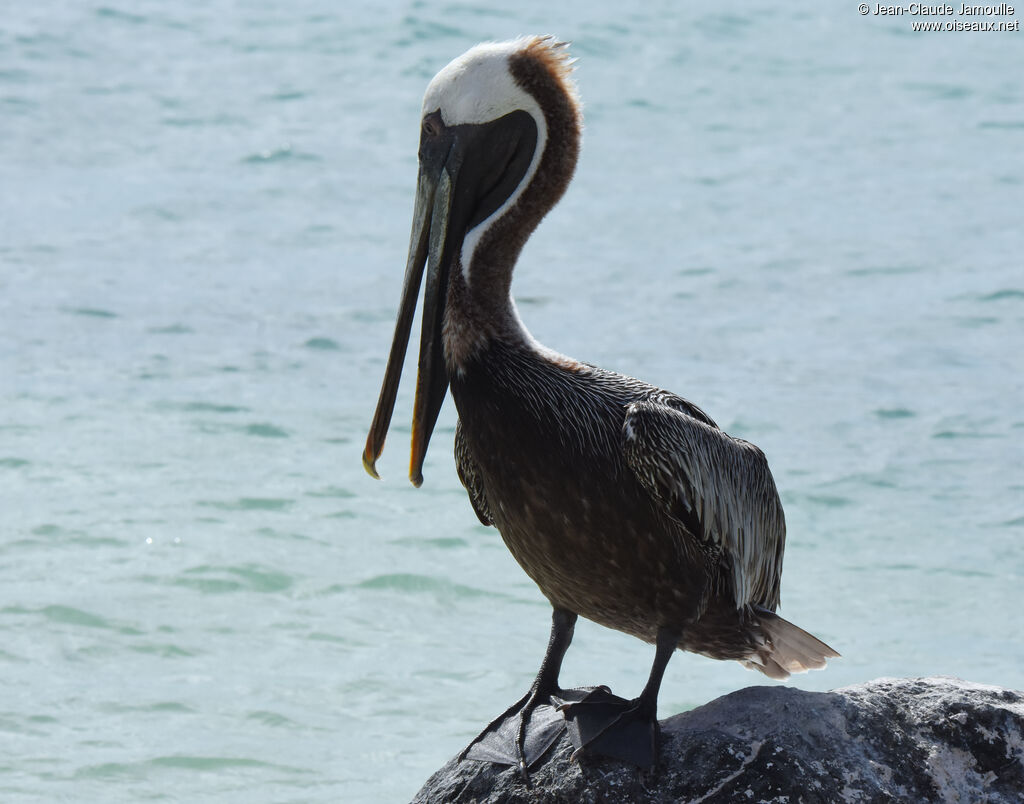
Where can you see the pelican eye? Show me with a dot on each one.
(432, 125)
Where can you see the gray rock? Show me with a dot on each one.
(917, 739)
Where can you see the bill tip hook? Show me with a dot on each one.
(370, 465)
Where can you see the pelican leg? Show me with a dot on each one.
(605, 724)
(524, 732)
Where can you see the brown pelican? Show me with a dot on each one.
(625, 503)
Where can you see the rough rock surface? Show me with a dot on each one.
(918, 739)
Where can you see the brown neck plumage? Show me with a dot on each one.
(482, 309)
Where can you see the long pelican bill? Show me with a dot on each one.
(418, 242)
(427, 247)
(432, 377)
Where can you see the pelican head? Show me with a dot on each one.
(499, 138)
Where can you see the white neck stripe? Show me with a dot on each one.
(478, 87)
(474, 235)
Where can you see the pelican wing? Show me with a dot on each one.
(470, 477)
(718, 487)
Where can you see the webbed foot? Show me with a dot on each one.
(524, 732)
(605, 724)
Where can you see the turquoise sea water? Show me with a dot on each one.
(806, 220)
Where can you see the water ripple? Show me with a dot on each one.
(893, 413)
(202, 407)
(1002, 295)
(263, 430)
(164, 651)
(89, 312)
(249, 504)
(71, 616)
(210, 579)
(273, 719)
(332, 491)
(323, 344)
(442, 542)
(121, 16)
(424, 584)
(171, 329)
(277, 155)
(142, 770)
